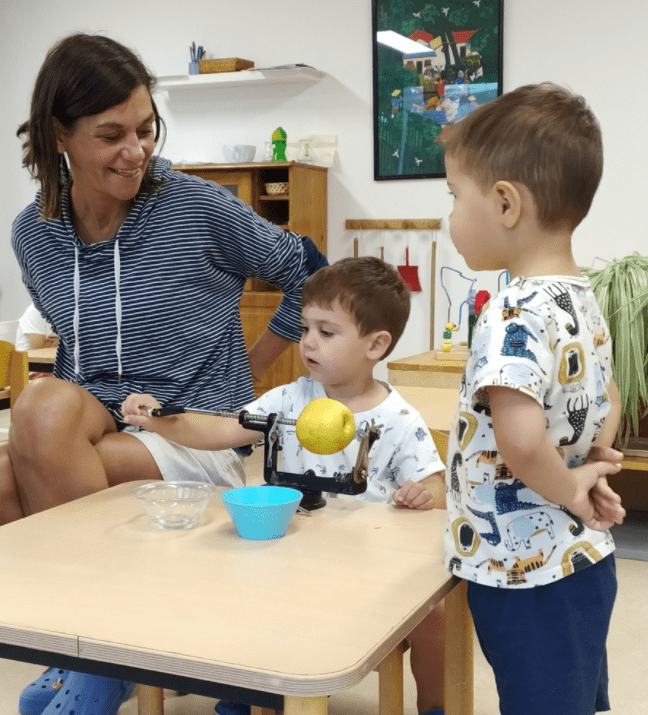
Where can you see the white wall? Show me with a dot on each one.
(577, 43)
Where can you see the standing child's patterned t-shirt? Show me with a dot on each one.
(545, 337)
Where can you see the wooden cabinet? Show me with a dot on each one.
(303, 208)
(257, 307)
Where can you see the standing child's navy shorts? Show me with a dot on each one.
(546, 644)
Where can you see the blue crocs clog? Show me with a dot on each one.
(223, 707)
(89, 695)
(38, 695)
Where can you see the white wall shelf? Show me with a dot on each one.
(291, 75)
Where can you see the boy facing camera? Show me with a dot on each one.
(528, 501)
(353, 313)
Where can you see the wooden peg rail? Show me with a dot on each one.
(402, 224)
(397, 224)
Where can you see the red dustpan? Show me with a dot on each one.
(410, 274)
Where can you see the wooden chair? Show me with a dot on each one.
(441, 442)
(14, 372)
(14, 375)
(390, 671)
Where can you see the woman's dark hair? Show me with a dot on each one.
(83, 75)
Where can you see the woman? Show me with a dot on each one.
(140, 270)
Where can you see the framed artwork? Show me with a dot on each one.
(433, 62)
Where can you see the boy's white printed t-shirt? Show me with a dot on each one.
(405, 450)
(545, 337)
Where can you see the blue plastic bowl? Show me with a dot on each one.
(262, 512)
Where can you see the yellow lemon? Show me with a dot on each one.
(325, 426)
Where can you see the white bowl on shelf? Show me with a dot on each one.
(238, 153)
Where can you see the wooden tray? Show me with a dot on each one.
(228, 64)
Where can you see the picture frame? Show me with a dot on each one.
(433, 62)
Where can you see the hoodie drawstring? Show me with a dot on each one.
(118, 311)
(75, 322)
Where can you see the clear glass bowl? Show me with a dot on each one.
(174, 505)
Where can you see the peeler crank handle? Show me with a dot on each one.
(179, 410)
(165, 411)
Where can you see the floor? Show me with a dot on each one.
(627, 651)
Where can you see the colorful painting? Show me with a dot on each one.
(434, 61)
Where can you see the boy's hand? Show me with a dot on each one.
(605, 499)
(604, 454)
(135, 410)
(413, 495)
(595, 503)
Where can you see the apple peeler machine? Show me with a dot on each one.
(308, 483)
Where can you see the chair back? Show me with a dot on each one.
(441, 443)
(14, 370)
(6, 349)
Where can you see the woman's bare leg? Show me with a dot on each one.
(125, 459)
(55, 426)
(10, 506)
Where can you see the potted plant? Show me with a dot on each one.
(621, 289)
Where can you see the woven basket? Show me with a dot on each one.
(277, 187)
(229, 64)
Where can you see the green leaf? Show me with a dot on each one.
(621, 289)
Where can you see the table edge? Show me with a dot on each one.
(276, 682)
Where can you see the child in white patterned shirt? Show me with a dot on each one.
(353, 313)
(528, 502)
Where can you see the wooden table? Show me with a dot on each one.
(426, 370)
(92, 586)
(42, 359)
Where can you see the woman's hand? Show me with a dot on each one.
(138, 405)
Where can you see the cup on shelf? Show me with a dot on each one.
(194, 68)
(305, 156)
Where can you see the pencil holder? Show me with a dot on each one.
(194, 68)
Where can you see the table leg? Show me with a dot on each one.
(458, 653)
(390, 683)
(305, 706)
(150, 700)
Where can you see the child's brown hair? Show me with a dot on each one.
(542, 136)
(369, 289)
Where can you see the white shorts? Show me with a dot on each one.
(177, 463)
